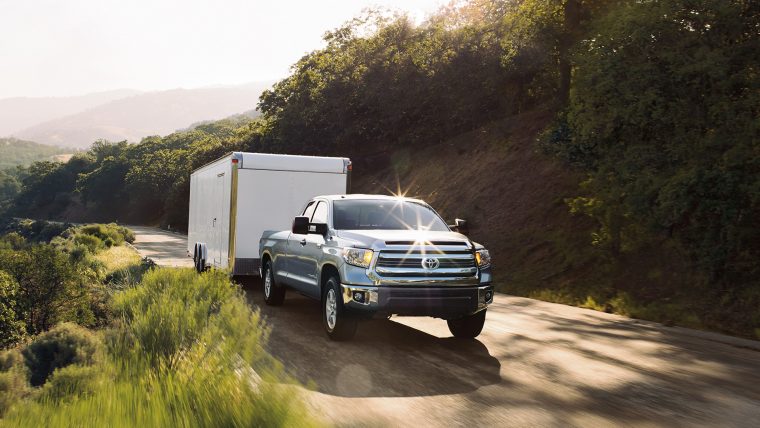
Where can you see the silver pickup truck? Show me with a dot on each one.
(371, 255)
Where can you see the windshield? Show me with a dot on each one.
(385, 214)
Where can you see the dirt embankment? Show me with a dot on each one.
(495, 177)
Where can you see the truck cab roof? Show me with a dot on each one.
(369, 197)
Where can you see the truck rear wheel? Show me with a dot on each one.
(468, 327)
(338, 323)
(274, 294)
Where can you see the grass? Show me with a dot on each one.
(118, 258)
(185, 350)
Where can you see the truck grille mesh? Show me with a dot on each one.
(452, 258)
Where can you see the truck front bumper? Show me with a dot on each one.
(446, 302)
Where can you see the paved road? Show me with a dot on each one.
(165, 248)
(536, 364)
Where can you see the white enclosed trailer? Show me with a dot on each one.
(234, 199)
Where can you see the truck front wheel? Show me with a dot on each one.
(338, 324)
(274, 294)
(468, 327)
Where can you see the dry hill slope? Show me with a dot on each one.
(510, 193)
(514, 196)
(153, 113)
(20, 113)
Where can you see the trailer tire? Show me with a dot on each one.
(274, 294)
(200, 261)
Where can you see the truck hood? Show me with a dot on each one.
(377, 238)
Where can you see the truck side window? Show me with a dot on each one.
(320, 213)
(309, 210)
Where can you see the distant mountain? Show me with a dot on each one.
(20, 113)
(15, 152)
(151, 113)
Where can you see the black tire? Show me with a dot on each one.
(197, 259)
(468, 327)
(274, 294)
(200, 262)
(338, 323)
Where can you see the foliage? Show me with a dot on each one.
(63, 345)
(73, 381)
(35, 231)
(172, 311)
(14, 152)
(664, 115)
(201, 376)
(14, 385)
(50, 289)
(61, 281)
(12, 327)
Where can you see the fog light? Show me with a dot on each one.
(359, 296)
(488, 296)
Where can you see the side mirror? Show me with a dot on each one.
(300, 225)
(460, 225)
(318, 228)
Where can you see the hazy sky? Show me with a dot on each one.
(71, 47)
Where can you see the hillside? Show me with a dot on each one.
(153, 113)
(19, 113)
(15, 152)
(514, 198)
(495, 178)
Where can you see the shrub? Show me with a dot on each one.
(14, 240)
(51, 288)
(71, 382)
(173, 312)
(182, 356)
(91, 242)
(130, 275)
(12, 327)
(117, 234)
(61, 346)
(13, 380)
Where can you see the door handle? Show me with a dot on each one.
(303, 242)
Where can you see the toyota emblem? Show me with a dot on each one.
(430, 263)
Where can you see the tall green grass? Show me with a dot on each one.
(186, 350)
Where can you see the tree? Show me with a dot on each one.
(49, 289)
(665, 115)
(12, 327)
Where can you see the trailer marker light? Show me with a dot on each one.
(234, 160)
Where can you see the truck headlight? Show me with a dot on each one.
(357, 256)
(483, 258)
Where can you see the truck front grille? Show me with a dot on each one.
(453, 260)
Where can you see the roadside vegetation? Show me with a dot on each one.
(632, 125)
(115, 341)
(15, 152)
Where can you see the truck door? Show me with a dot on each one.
(312, 252)
(296, 265)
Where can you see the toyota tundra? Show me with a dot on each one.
(368, 256)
